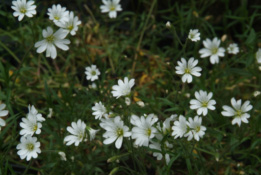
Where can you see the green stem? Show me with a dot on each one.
(176, 36)
(10, 52)
(141, 37)
(27, 167)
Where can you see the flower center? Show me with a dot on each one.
(204, 104)
(149, 132)
(56, 18)
(80, 136)
(70, 27)
(214, 50)
(119, 132)
(239, 113)
(93, 72)
(192, 35)
(30, 146)
(35, 127)
(112, 8)
(197, 129)
(187, 71)
(50, 39)
(23, 10)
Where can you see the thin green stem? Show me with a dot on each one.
(141, 37)
(27, 167)
(176, 36)
(10, 52)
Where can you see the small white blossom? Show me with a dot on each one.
(63, 155)
(30, 125)
(78, 133)
(187, 69)
(196, 129)
(202, 102)
(28, 148)
(143, 130)
(32, 111)
(111, 6)
(92, 133)
(194, 35)
(58, 14)
(256, 93)
(124, 87)
(23, 8)
(127, 101)
(71, 25)
(115, 131)
(141, 103)
(258, 56)
(238, 112)
(51, 40)
(92, 73)
(50, 113)
(166, 124)
(213, 50)
(233, 49)
(3, 113)
(180, 127)
(157, 146)
(168, 24)
(99, 110)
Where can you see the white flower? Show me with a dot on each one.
(213, 50)
(168, 24)
(99, 110)
(92, 132)
(2, 114)
(50, 113)
(63, 155)
(239, 112)
(34, 112)
(256, 93)
(93, 86)
(71, 25)
(202, 102)
(180, 127)
(196, 129)
(187, 69)
(124, 88)
(166, 124)
(22, 8)
(51, 40)
(258, 55)
(233, 48)
(115, 131)
(92, 73)
(127, 101)
(30, 125)
(28, 148)
(194, 35)
(78, 133)
(58, 14)
(140, 103)
(143, 130)
(111, 6)
(157, 146)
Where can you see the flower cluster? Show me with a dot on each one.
(31, 124)
(146, 130)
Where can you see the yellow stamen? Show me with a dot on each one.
(50, 39)
(214, 50)
(30, 146)
(23, 10)
(149, 132)
(119, 132)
